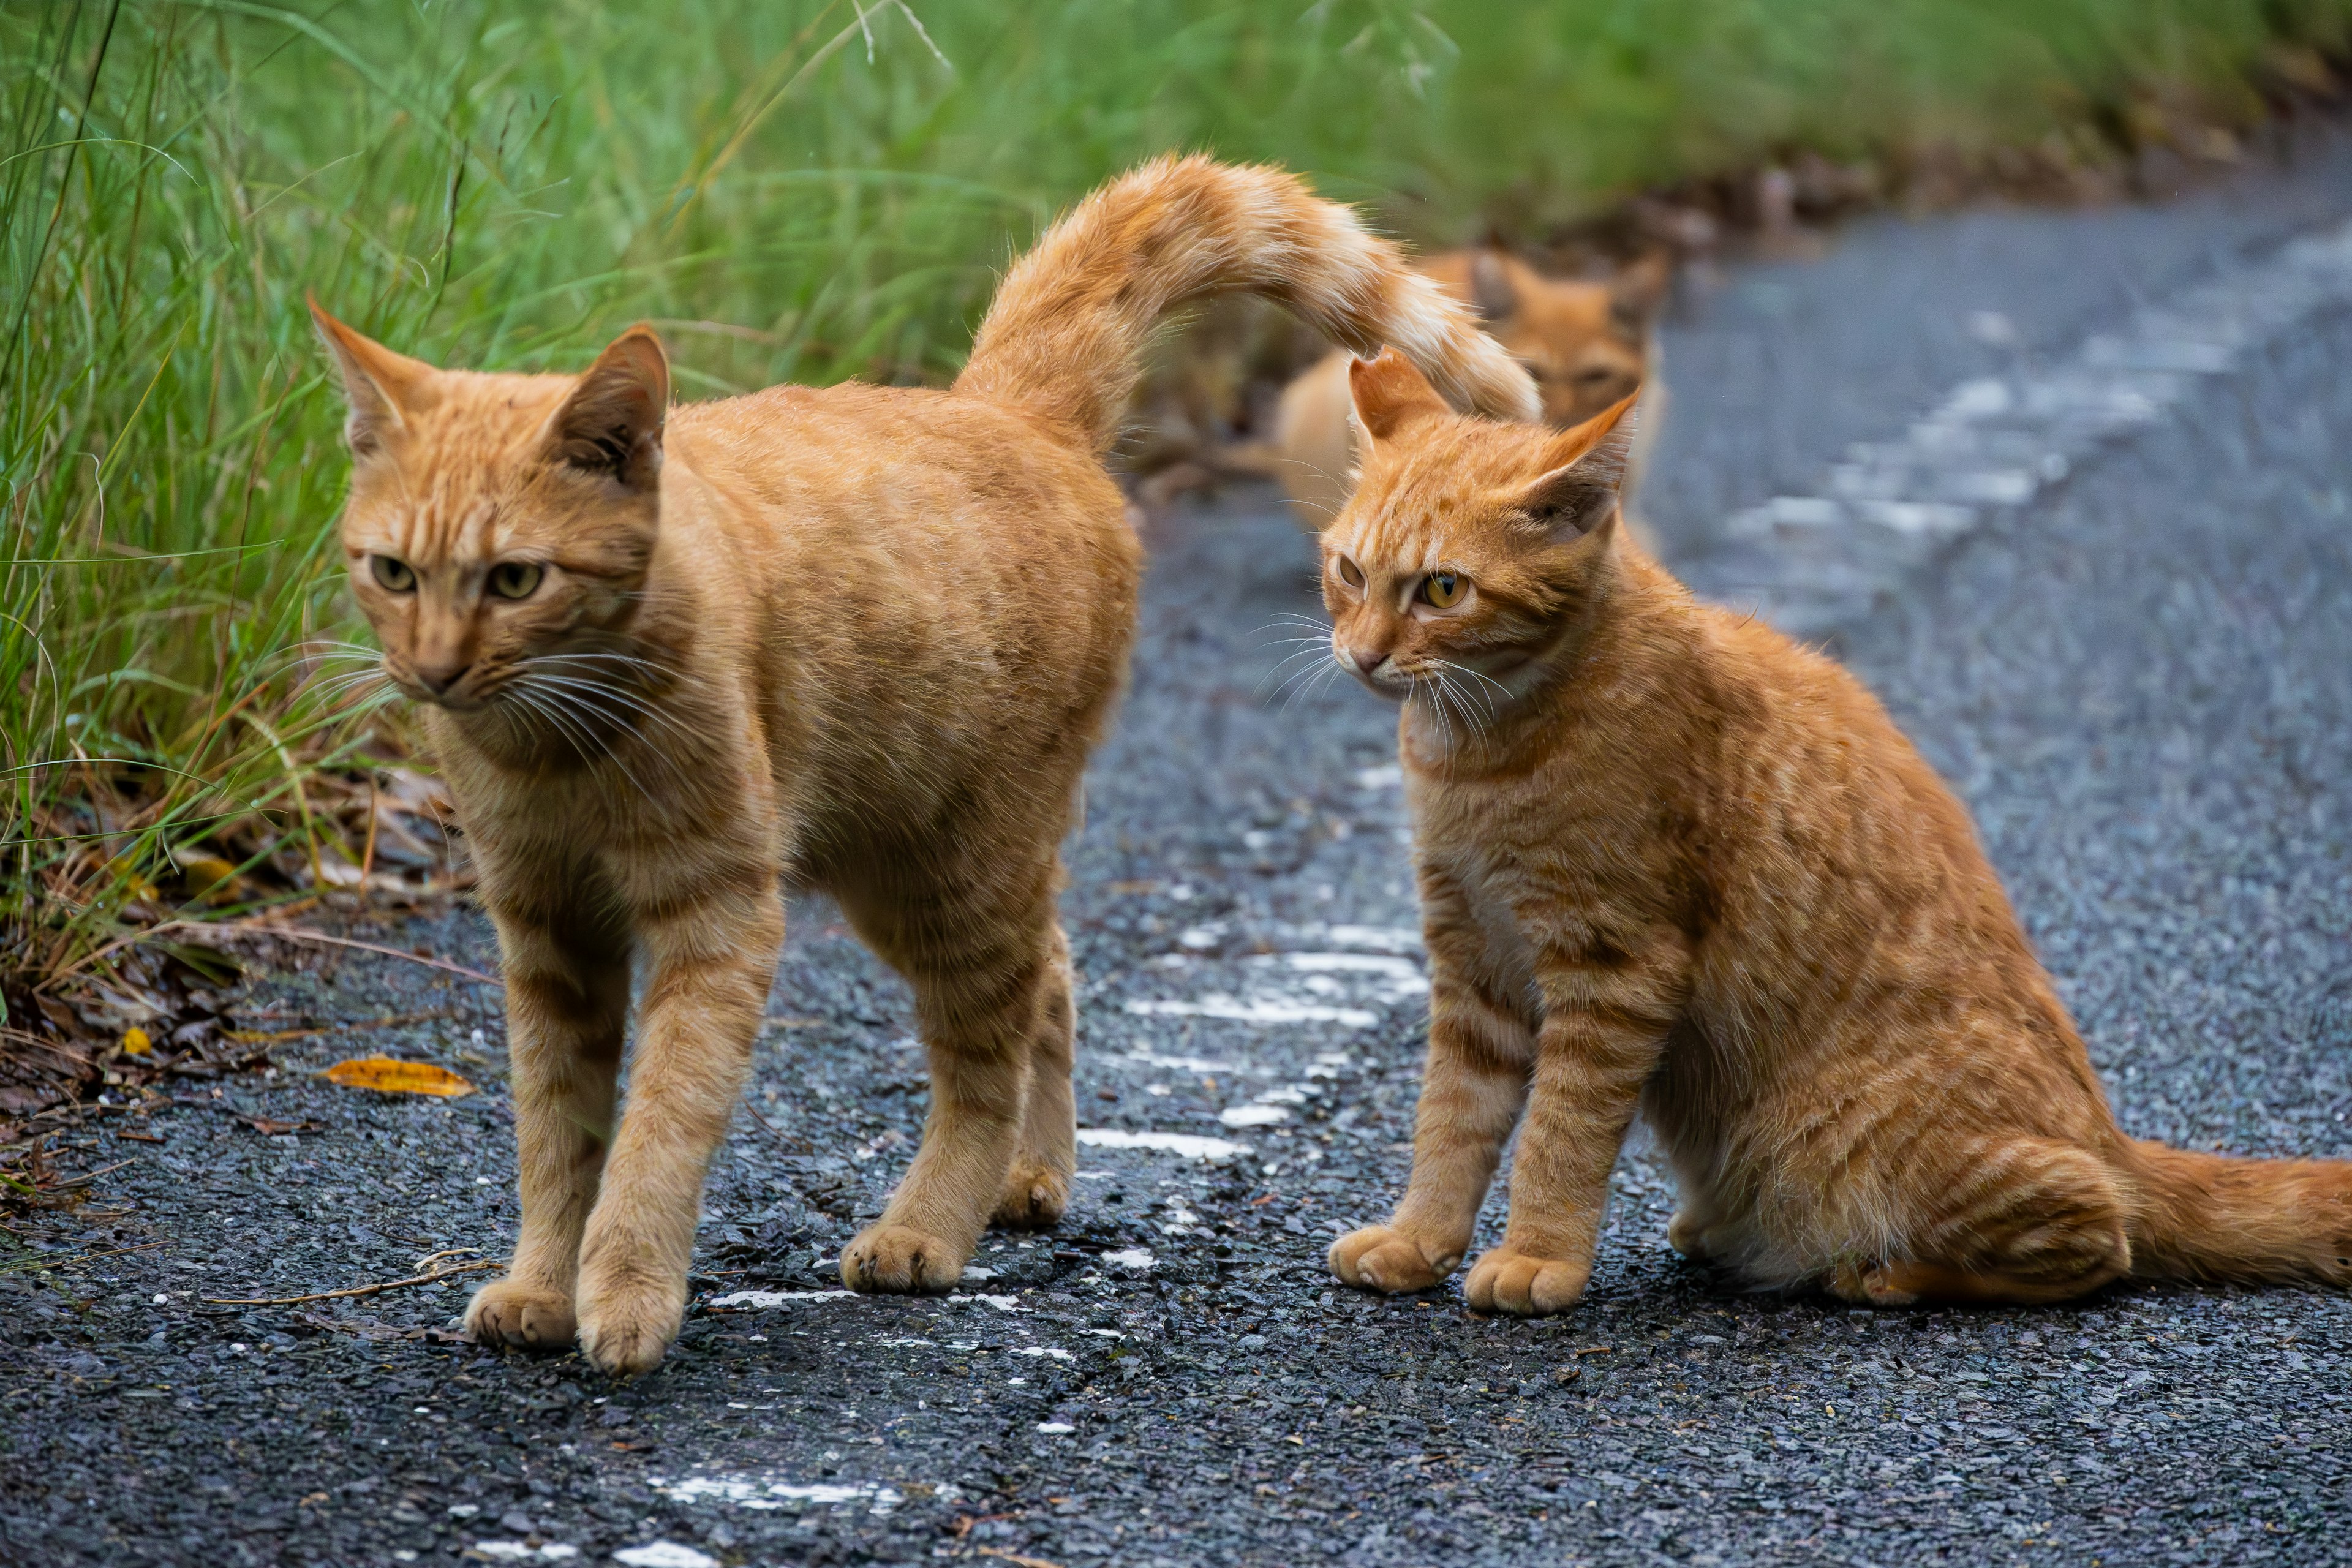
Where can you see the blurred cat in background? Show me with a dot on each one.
(1588, 345)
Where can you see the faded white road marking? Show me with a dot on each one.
(1215, 1005)
(1994, 443)
(1192, 1145)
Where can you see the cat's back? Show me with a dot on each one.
(1806, 738)
(953, 508)
(1832, 845)
(879, 451)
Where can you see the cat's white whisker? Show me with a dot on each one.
(1311, 686)
(1287, 680)
(586, 717)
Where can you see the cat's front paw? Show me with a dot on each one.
(1506, 1279)
(1381, 1258)
(626, 1324)
(1035, 1196)
(899, 1260)
(527, 1316)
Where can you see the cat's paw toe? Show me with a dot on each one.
(1885, 1285)
(626, 1327)
(1380, 1257)
(1508, 1281)
(1035, 1196)
(899, 1260)
(527, 1316)
(1687, 1234)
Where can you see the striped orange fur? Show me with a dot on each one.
(1672, 863)
(858, 640)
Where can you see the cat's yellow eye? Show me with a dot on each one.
(1442, 590)
(393, 576)
(1349, 573)
(514, 579)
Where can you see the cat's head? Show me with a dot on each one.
(496, 520)
(1471, 550)
(1585, 343)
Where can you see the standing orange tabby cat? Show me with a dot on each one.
(856, 640)
(1671, 862)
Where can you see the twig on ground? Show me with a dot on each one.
(431, 1258)
(1014, 1557)
(92, 1176)
(355, 1291)
(374, 1330)
(280, 1037)
(299, 933)
(43, 1260)
(797, 1145)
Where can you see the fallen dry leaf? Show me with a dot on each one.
(386, 1076)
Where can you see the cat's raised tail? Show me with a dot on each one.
(1068, 332)
(2212, 1217)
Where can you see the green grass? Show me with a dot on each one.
(791, 192)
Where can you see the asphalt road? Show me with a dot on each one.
(2143, 684)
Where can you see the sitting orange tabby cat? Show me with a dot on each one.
(1585, 343)
(1670, 860)
(856, 640)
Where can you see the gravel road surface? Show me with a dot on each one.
(2143, 684)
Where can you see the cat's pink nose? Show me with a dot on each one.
(1369, 660)
(438, 678)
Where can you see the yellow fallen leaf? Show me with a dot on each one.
(209, 877)
(386, 1076)
(135, 1043)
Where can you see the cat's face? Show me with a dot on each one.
(499, 527)
(1469, 547)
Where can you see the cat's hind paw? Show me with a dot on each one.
(1506, 1279)
(1688, 1233)
(526, 1317)
(1035, 1196)
(1380, 1257)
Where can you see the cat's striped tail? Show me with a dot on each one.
(2209, 1217)
(1066, 334)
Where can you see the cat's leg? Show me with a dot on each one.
(983, 962)
(710, 956)
(567, 981)
(1038, 1189)
(1607, 1014)
(1473, 1081)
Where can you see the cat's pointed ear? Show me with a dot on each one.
(1390, 393)
(1491, 289)
(612, 424)
(1639, 292)
(1584, 474)
(380, 388)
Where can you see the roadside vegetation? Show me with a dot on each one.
(791, 189)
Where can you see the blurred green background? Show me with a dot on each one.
(793, 190)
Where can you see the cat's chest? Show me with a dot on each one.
(1496, 913)
(1490, 884)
